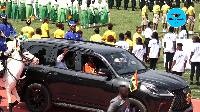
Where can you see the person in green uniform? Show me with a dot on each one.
(29, 8)
(69, 9)
(9, 9)
(96, 12)
(84, 14)
(91, 14)
(104, 10)
(15, 10)
(44, 10)
(36, 9)
(75, 10)
(40, 9)
(53, 11)
(22, 10)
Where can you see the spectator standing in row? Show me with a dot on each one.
(156, 14)
(29, 8)
(195, 60)
(28, 30)
(109, 32)
(53, 14)
(144, 17)
(154, 50)
(45, 28)
(129, 40)
(38, 34)
(122, 43)
(165, 9)
(136, 35)
(72, 34)
(139, 50)
(15, 14)
(9, 8)
(22, 10)
(120, 103)
(84, 14)
(96, 37)
(179, 61)
(59, 33)
(191, 18)
(169, 48)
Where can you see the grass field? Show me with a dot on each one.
(123, 21)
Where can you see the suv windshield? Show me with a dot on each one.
(124, 62)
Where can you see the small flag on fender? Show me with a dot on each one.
(3, 8)
(69, 16)
(133, 83)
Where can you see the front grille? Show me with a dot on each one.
(180, 103)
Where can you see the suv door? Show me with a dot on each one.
(94, 90)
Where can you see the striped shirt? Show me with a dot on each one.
(139, 51)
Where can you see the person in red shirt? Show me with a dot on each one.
(90, 67)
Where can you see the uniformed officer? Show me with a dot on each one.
(72, 34)
(118, 3)
(110, 3)
(161, 3)
(188, 2)
(126, 4)
(142, 3)
(133, 4)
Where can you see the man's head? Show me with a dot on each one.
(121, 36)
(90, 59)
(192, 4)
(72, 25)
(179, 46)
(185, 4)
(110, 38)
(171, 29)
(146, 3)
(96, 31)
(4, 18)
(150, 24)
(123, 91)
(110, 25)
(39, 31)
(183, 27)
(46, 20)
(167, 2)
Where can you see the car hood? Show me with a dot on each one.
(161, 79)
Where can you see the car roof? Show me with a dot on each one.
(97, 47)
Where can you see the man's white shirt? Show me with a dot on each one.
(139, 51)
(183, 34)
(196, 51)
(148, 32)
(123, 44)
(169, 39)
(180, 57)
(154, 48)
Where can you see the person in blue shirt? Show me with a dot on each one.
(72, 34)
(6, 28)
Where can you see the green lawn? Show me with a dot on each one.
(123, 21)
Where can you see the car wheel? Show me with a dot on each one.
(38, 98)
(137, 105)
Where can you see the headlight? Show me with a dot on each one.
(155, 91)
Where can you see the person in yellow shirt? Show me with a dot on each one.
(129, 40)
(144, 17)
(96, 37)
(156, 14)
(165, 9)
(136, 35)
(77, 25)
(185, 11)
(191, 17)
(59, 33)
(38, 34)
(27, 30)
(45, 28)
(109, 32)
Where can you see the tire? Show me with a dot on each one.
(38, 98)
(139, 107)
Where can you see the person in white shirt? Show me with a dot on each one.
(169, 48)
(195, 60)
(139, 49)
(84, 14)
(179, 61)
(122, 43)
(75, 14)
(183, 34)
(60, 62)
(154, 50)
(62, 10)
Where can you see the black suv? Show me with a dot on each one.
(48, 84)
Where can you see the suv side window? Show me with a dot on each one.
(97, 63)
(65, 61)
(41, 52)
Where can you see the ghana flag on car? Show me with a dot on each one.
(133, 82)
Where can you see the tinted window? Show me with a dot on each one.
(124, 62)
(41, 52)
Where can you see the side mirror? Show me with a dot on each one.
(104, 72)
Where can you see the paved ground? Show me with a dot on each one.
(21, 107)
